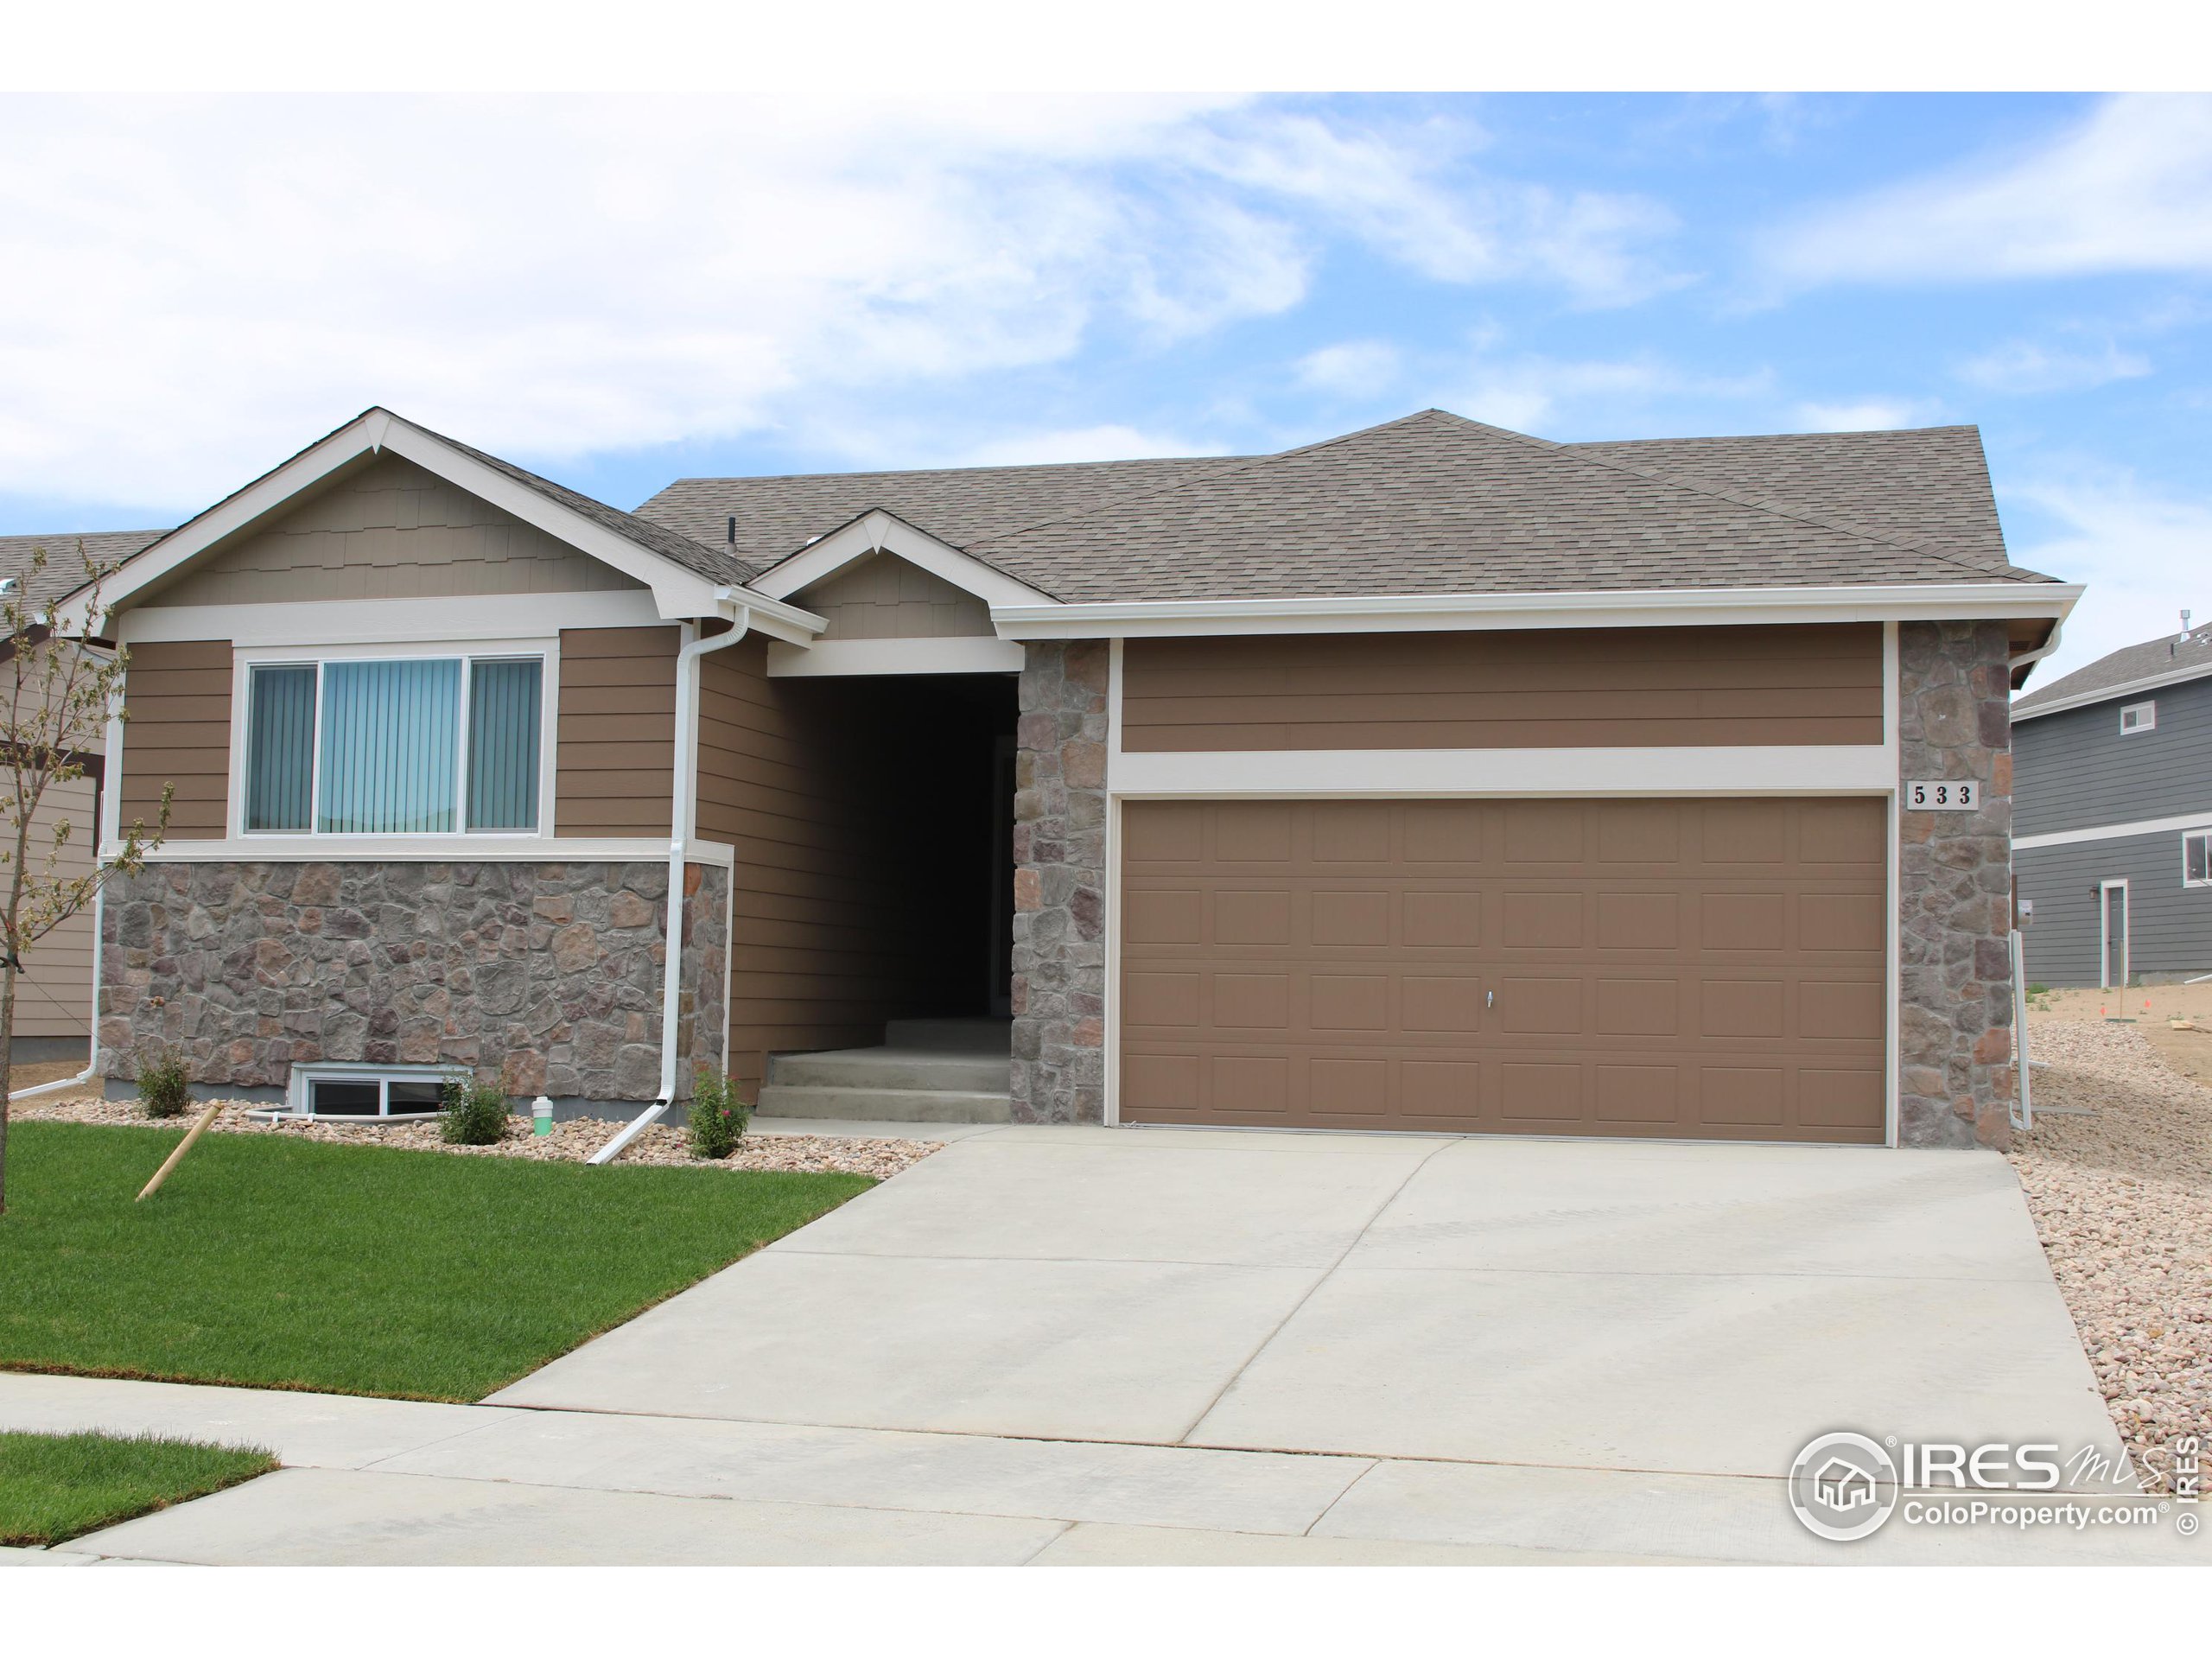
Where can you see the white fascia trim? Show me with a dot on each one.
(958, 655)
(678, 592)
(442, 850)
(1674, 607)
(1853, 769)
(388, 621)
(2186, 821)
(2112, 693)
(884, 532)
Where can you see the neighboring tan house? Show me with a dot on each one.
(53, 995)
(1433, 777)
(2113, 774)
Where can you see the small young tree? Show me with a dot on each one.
(56, 695)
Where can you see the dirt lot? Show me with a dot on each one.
(2122, 1194)
(2154, 1009)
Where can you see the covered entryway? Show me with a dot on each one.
(1708, 969)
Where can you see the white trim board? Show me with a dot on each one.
(1894, 922)
(383, 622)
(440, 850)
(960, 654)
(878, 531)
(2198, 820)
(1842, 769)
(1658, 607)
(2112, 693)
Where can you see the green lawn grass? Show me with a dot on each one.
(295, 1264)
(54, 1486)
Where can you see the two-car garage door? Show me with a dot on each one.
(1709, 967)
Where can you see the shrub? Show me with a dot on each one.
(718, 1117)
(474, 1114)
(164, 1086)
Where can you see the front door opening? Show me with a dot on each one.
(2112, 950)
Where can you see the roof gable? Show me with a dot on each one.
(2171, 660)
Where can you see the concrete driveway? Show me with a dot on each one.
(1068, 1345)
(1696, 1309)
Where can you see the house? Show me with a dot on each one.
(1432, 778)
(53, 995)
(2113, 774)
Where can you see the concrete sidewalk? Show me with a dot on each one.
(396, 1483)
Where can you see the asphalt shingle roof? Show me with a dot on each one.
(65, 568)
(776, 516)
(1436, 504)
(2173, 654)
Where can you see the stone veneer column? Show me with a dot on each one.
(1954, 1019)
(1060, 885)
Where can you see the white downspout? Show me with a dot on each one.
(92, 1042)
(682, 805)
(2024, 658)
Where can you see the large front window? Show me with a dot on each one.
(394, 746)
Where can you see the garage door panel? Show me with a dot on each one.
(1427, 964)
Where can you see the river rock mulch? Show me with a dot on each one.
(2122, 1198)
(572, 1141)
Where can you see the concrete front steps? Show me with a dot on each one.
(927, 1071)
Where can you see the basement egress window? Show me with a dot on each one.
(327, 1090)
(411, 745)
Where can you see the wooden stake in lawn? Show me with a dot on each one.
(177, 1157)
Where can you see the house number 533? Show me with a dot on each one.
(1928, 795)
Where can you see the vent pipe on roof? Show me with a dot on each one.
(732, 530)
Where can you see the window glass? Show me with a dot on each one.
(280, 748)
(415, 1096)
(2196, 858)
(344, 1098)
(503, 734)
(389, 759)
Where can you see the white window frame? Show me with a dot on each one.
(2203, 833)
(245, 660)
(298, 1098)
(2146, 718)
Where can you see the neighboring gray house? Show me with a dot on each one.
(2111, 813)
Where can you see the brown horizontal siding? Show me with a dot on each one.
(615, 680)
(1592, 688)
(177, 694)
(790, 774)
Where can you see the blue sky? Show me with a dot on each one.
(619, 291)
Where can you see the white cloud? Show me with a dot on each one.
(1352, 368)
(1562, 400)
(192, 287)
(1863, 414)
(2143, 556)
(2124, 189)
(1082, 444)
(2024, 366)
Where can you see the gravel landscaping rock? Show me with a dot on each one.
(572, 1141)
(2122, 1198)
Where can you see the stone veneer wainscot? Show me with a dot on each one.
(544, 978)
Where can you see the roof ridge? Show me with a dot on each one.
(933, 472)
(1233, 463)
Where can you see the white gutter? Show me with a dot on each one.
(1623, 607)
(682, 805)
(2021, 659)
(92, 1040)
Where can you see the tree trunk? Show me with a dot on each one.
(7, 1060)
